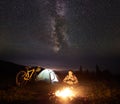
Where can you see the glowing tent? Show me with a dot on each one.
(47, 75)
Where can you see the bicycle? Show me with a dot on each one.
(23, 77)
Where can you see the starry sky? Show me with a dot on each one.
(61, 34)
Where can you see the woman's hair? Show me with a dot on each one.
(70, 71)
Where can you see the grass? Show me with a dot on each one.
(92, 92)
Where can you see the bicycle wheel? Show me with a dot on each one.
(20, 78)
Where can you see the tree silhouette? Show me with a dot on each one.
(81, 69)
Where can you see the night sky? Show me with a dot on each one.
(61, 34)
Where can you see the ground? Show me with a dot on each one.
(90, 92)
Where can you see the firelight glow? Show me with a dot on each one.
(65, 93)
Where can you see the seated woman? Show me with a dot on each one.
(70, 79)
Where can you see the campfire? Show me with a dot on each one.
(66, 93)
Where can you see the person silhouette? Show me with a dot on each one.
(70, 79)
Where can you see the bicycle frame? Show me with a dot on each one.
(29, 74)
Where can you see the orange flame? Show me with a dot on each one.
(65, 93)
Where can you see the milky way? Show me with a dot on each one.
(58, 24)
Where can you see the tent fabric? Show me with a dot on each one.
(47, 75)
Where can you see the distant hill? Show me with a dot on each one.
(9, 67)
(8, 71)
